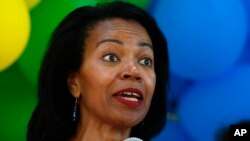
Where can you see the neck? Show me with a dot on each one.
(98, 131)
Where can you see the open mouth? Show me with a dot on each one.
(131, 97)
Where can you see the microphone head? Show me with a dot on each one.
(133, 139)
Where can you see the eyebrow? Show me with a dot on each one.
(109, 40)
(144, 44)
(141, 44)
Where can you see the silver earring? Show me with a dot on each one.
(142, 123)
(75, 108)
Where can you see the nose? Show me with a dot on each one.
(131, 73)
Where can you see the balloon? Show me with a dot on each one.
(205, 38)
(173, 132)
(14, 31)
(210, 105)
(177, 86)
(140, 3)
(32, 3)
(17, 101)
(245, 57)
(45, 17)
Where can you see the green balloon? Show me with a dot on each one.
(140, 3)
(44, 18)
(17, 101)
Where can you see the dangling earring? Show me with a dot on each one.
(75, 108)
(143, 123)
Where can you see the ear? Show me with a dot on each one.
(74, 84)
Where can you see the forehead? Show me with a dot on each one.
(119, 27)
(119, 23)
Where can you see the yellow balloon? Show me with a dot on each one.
(32, 3)
(14, 31)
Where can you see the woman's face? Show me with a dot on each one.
(117, 79)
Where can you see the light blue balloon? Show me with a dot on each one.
(213, 104)
(205, 37)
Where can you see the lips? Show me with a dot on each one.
(130, 97)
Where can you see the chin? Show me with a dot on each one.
(131, 122)
(128, 119)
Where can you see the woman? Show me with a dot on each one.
(103, 77)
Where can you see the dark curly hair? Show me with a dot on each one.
(52, 117)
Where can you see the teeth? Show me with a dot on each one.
(128, 93)
(132, 94)
(130, 98)
(135, 94)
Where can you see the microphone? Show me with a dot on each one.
(133, 139)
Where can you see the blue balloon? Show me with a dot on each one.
(245, 57)
(173, 132)
(206, 37)
(212, 104)
(246, 4)
(177, 86)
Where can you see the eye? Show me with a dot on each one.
(146, 61)
(110, 58)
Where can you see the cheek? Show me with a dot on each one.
(150, 85)
(151, 80)
(98, 80)
(96, 97)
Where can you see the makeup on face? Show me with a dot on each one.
(117, 77)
